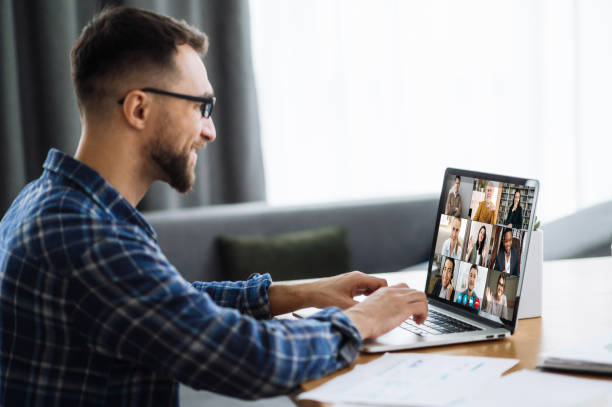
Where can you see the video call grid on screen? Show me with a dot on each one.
(482, 230)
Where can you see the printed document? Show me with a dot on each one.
(414, 379)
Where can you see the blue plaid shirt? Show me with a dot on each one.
(93, 314)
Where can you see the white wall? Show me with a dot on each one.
(367, 99)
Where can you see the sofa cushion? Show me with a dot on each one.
(309, 253)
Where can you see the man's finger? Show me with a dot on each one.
(371, 282)
(416, 296)
(368, 286)
(349, 303)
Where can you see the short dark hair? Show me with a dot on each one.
(124, 40)
(451, 260)
(475, 267)
(458, 178)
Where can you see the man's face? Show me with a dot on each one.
(472, 278)
(489, 192)
(457, 182)
(180, 129)
(455, 227)
(447, 273)
(507, 241)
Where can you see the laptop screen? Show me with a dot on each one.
(480, 243)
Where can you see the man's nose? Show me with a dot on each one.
(209, 133)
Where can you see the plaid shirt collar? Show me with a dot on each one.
(100, 191)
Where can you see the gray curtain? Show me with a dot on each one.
(38, 109)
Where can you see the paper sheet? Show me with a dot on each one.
(533, 388)
(411, 379)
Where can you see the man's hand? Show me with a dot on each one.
(386, 308)
(336, 291)
(340, 290)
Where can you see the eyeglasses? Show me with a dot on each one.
(206, 107)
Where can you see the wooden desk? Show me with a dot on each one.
(576, 305)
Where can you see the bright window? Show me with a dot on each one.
(362, 99)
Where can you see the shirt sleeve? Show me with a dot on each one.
(129, 303)
(249, 297)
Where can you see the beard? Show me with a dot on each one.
(174, 165)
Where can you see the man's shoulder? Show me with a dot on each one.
(49, 220)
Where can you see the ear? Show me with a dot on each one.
(137, 109)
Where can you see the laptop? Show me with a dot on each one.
(476, 265)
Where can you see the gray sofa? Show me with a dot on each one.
(585, 233)
(383, 235)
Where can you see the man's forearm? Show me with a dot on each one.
(286, 298)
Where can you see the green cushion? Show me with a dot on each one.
(305, 254)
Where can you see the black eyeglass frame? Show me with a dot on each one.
(207, 103)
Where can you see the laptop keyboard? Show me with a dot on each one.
(436, 324)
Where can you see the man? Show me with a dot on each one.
(469, 297)
(444, 287)
(453, 202)
(450, 248)
(487, 209)
(507, 259)
(91, 311)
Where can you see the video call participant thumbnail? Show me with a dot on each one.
(507, 259)
(469, 297)
(497, 304)
(453, 201)
(452, 245)
(515, 214)
(487, 208)
(444, 286)
(477, 249)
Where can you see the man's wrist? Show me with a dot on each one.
(360, 321)
(286, 298)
